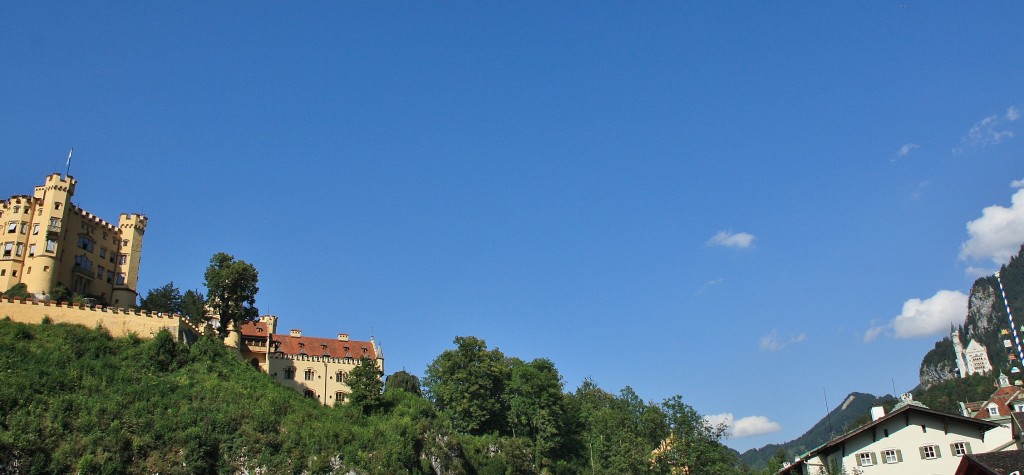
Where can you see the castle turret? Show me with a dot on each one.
(132, 227)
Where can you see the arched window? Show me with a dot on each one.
(340, 396)
(310, 374)
(309, 393)
(289, 372)
(341, 376)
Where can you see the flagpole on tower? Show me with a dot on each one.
(68, 171)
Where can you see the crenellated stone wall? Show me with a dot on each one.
(118, 321)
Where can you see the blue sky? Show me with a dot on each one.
(737, 202)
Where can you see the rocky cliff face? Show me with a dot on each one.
(938, 364)
(985, 310)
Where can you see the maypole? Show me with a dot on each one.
(1009, 315)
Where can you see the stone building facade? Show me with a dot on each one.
(316, 367)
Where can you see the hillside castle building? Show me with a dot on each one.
(316, 367)
(973, 359)
(46, 241)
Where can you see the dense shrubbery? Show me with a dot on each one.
(76, 400)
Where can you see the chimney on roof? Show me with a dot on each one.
(343, 337)
(296, 332)
(877, 412)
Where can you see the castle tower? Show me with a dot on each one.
(958, 352)
(34, 227)
(132, 227)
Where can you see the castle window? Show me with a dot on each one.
(3, 272)
(35, 229)
(122, 259)
(12, 226)
(289, 372)
(110, 277)
(309, 393)
(340, 396)
(31, 250)
(50, 245)
(341, 376)
(7, 248)
(929, 452)
(28, 271)
(121, 278)
(99, 272)
(16, 208)
(255, 363)
(19, 250)
(56, 205)
(124, 243)
(960, 448)
(103, 253)
(310, 374)
(86, 243)
(24, 228)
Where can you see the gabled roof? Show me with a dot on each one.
(1002, 399)
(311, 345)
(991, 463)
(900, 409)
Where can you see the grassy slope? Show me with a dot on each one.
(74, 399)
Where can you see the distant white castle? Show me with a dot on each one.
(973, 360)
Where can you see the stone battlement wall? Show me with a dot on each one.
(118, 321)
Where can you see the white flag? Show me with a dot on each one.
(69, 155)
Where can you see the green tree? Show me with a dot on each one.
(695, 443)
(18, 291)
(403, 381)
(774, 464)
(165, 299)
(618, 432)
(364, 380)
(466, 386)
(231, 287)
(193, 306)
(536, 408)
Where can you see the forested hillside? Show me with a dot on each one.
(74, 399)
(846, 416)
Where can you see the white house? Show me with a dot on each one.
(910, 439)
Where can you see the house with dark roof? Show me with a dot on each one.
(317, 367)
(993, 463)
(910, 439)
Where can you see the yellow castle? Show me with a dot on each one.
(46, 240)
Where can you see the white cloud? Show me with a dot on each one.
(744, 427)
(989, 131)
(997, 235)
(709, 284)
(905, 149)
(1017, 184)
(1012, 113)
(772, 342)
(924, 317)
(730, 239)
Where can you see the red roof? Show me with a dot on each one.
(311, 345)
(1002, 399)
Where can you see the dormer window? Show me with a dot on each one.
(993, 411)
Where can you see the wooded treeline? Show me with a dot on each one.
(76, 400)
